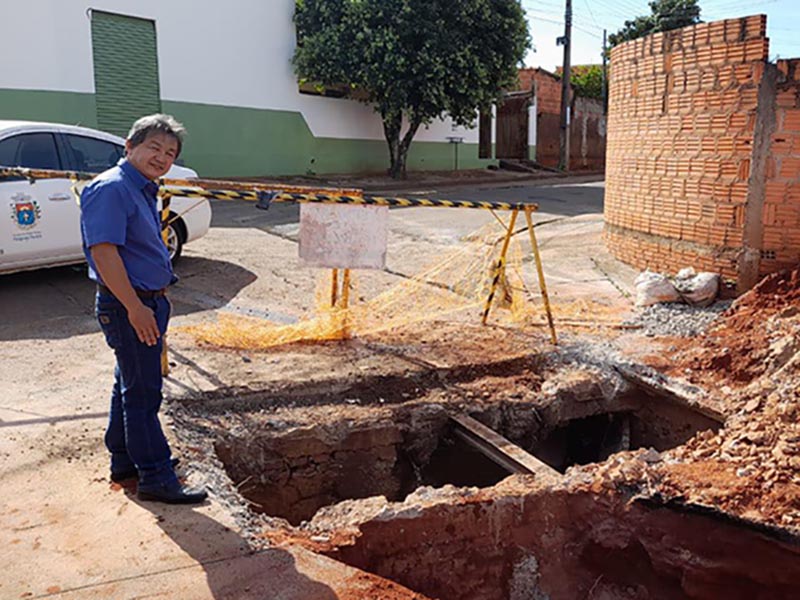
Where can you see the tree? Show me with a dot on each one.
(412, 60)
(665, 15)
(586, 80)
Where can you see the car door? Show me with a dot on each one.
(41, 222)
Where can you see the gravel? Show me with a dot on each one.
(678, 320)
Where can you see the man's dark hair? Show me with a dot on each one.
(158, 123)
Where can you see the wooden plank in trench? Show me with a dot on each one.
(497, 448)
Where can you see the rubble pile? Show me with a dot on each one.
(757, 335)
(677, 320)
(750, 361)
(757, 453)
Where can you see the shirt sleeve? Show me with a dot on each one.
(104, 214)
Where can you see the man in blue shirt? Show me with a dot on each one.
(129, 262)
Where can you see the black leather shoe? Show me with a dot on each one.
(173, 494)
(134, 474)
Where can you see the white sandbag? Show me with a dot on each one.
(700, 290)
(652, 288)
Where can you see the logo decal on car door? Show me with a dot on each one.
(25, 212)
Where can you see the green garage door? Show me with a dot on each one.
(125, 70)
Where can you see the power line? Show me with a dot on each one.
(583, 21)
(581, 29)
(589, 8)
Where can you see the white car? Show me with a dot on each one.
(41, 225)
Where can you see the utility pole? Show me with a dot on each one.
(563, 161)
(605, 74)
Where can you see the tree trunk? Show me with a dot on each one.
(398, 149)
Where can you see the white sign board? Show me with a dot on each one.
(343, 236)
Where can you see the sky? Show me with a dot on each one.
(590, 17)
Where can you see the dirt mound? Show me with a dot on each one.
(755, 335)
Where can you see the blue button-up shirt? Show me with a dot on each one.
(120, 207)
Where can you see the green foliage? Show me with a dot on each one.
(416, 60)
(665, 15)
(586, 80)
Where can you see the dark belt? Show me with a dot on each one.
(144, 294)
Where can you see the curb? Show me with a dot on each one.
(487, 181)
(414, 186)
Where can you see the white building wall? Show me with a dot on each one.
(233, 53)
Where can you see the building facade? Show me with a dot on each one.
(223, 69)
(587, 148)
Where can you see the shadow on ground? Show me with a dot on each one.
(59, 303)
(232, 570)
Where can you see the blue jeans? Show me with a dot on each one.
(134, 435)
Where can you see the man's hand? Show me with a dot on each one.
(112, 270)
(143, 321)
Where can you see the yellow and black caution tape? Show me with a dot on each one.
(264, 193)
(34, 174)
(389, 201)
(344, 199)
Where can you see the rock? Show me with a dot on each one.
(752, 405)
(652, 456)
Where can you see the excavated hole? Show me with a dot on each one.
(512, 542)
(293, 474)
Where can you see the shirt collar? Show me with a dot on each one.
(139, 180)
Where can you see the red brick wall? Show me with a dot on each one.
(548, 89)
(682, 118)
(781, 211)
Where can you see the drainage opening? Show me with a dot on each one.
(583, 441)
(295, 475)
(656, 423)
(456, 463)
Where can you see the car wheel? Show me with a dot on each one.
(176, 237)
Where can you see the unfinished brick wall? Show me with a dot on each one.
(781, 212)
(694, 141)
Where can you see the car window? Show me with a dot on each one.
(92, 155)
(30, 150)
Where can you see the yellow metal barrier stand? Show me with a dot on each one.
(345, 303)
(346, 289)
(540, 272)
(501, 265)
(334, 287)
(164, 235)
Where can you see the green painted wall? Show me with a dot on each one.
(72, 108)
(226, 140)
(230, 141)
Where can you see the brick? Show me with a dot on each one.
(788, 99)
(790, 167)
(791, 121)
(744, 169)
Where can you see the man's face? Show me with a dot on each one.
(154, 156)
